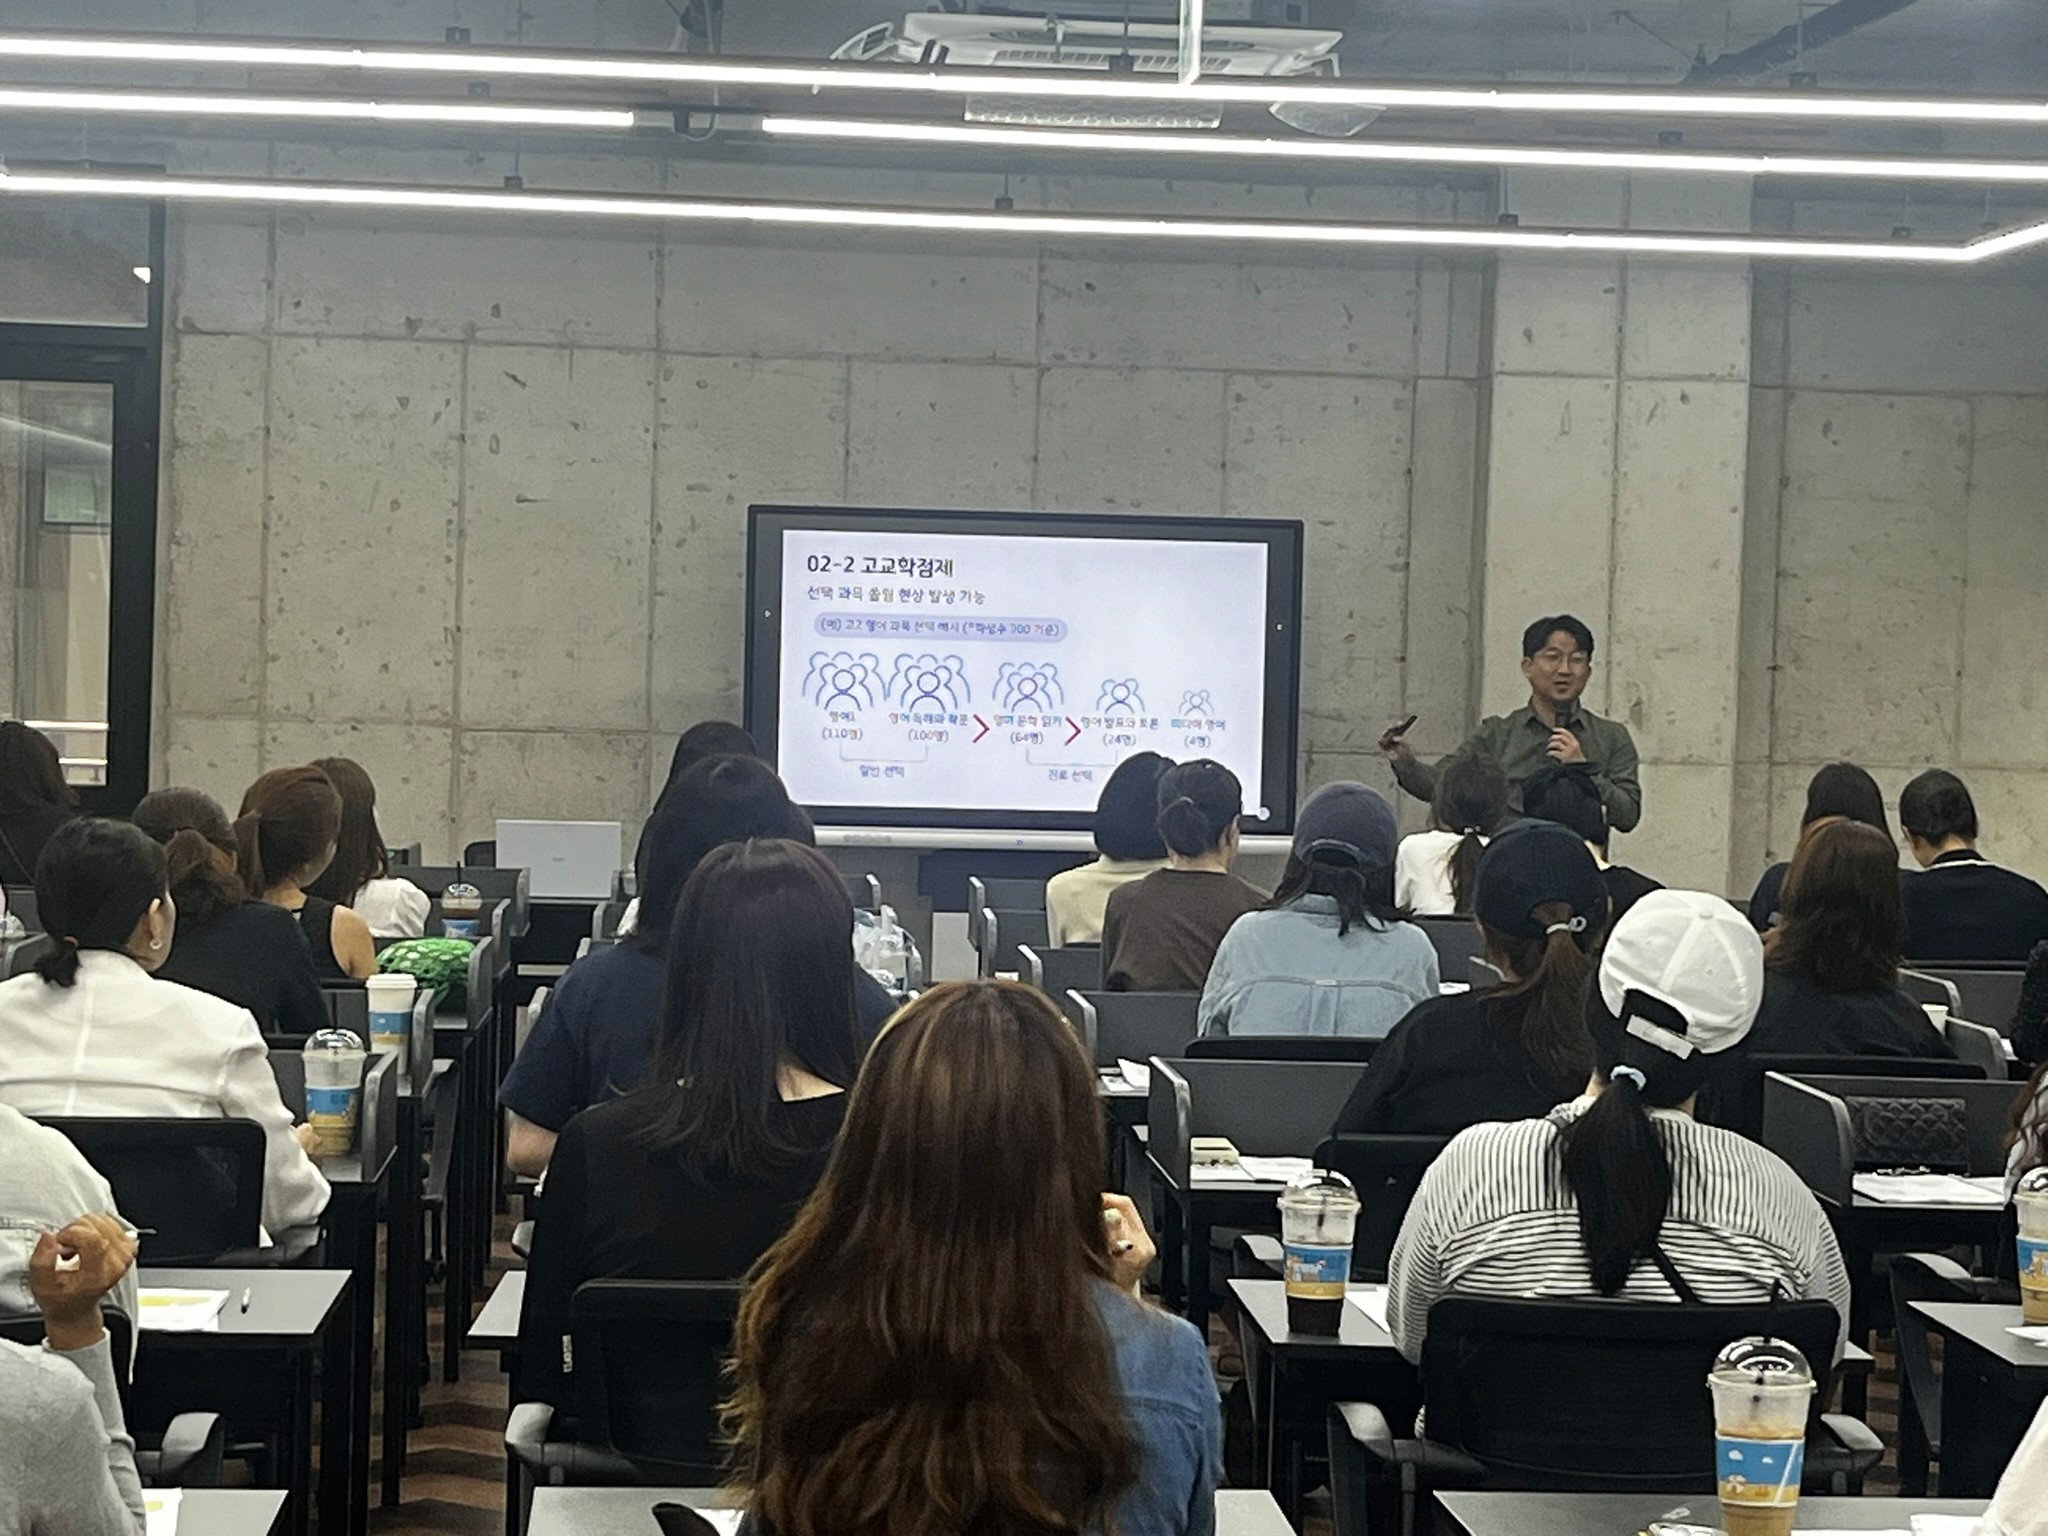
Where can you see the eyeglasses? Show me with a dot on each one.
(1575, 660)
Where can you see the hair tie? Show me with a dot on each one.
(1470, 832)
(1576, 925)
(67, 939)
(1633, 1074)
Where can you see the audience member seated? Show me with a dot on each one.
(1160, 933)
(34, 800)
(1831, 979)
(1567, 795)
(67, 1464)
(2028, 1030)
(949, 1332)
(91, 1031)
(286, 831)
(1127, 838)
(359, 875)
(249, 952)
(593, 1039)
(45, 1182)
(1621, 1193)
(1836, 790)
(1331, 955)
(1962, 907)
(705, 739)
(2029, 1143)
(1434, 870)
(1517, 1051)
(694, 1175)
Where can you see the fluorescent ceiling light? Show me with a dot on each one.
(1223, 147)
(1050, 226)
(483, 63)
(178, 104)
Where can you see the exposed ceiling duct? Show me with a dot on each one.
(1784, 50)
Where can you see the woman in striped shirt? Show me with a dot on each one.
(1621, 1193)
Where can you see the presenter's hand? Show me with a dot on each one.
(1564, 746)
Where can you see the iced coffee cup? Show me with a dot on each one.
(1318, 1214)
(2031, 1202)
(1763, 1389)
(461, 907)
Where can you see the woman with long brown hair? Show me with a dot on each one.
(359, 877)
(946, 1340)
(286, 835)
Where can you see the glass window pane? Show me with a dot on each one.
(74, 263)
(56, 500)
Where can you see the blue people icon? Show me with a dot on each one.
(1120, 696)
(842, 680)
(1197, 703)
(929, 682)
(1024, 686)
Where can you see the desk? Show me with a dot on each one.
(1992, 1385)
(468, 1178)
(628, 1511)
(295, 1313)
(351, 1223)
(229, 1511)
(497, 1327)
(1190, 1215)
(1625, 1514)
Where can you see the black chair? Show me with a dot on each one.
(1279, 1048)
(348, 1007)
(605, 918)
(1927, 1277)
(1457, 940)
(647, 1385)
(198, 1183)
(1005, 893)
(1004, 932)
(189, 1452)
(1746, 1114)
(1058, 970)
(21, 902)
(1133, 1026)
(20, 955)
(1386, 1170)
(1983, 994)
(1579, 1396)
(480, 855)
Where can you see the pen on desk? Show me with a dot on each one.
(245, 1298)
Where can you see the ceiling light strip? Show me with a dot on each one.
(1002, 224)
(1348, 151)
(1079, 85)
(179, 104)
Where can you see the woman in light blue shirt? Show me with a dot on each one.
(1331, 955)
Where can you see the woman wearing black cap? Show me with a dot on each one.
(1330, 955)
(1518, 1050)
(1621, 1193)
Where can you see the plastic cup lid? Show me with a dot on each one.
(1763, 1362)
(334, 1040)
(2033, 1184)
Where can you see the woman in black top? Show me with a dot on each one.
(695, 1174)
(286, 836)
(34, 800)
(248, 952)
(1836, 789)
(1517, 1052)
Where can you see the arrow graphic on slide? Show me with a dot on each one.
(984, 728)
(1077, 731)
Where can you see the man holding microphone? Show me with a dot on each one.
(1557, 660)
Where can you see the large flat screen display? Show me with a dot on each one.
(990, 669)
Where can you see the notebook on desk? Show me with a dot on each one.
(563, 859)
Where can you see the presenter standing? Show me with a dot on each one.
(1557, 660)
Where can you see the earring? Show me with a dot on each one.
(156, 943)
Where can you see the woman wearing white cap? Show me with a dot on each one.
(1621, 1193)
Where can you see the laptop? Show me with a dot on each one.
(563, 859)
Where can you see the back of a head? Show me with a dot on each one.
(718, 800)
(199, 850)
(1843, 789)
(1471, 800)
(1542, 906)
(359, 854)
(1344, 841)
(1843, 917)
(1198, 803)
(949, 1261)
(95, 881)
(1680, 982)
(709, 738)
(31, 773)
(1566, 794)
(287, 827)
(1127, 812)
(1936, 806)
(759, 969)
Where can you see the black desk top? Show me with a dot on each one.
(227, 1511)
(1626, 1514)
(1265, 1305)
(628, 1511)
(1984, 1325)
(286, 1306)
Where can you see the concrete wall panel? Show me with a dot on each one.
(2004, 705)
(572, 775)
(941, 435)
(411, 765)
(219, 754)
(1131, 440)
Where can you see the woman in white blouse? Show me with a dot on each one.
(91, 1031)
(359, 876)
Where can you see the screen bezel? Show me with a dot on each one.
(1283, 538)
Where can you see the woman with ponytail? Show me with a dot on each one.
(1520, 1049)
(287, 833)
(1159, 934)
(1621, 1193)
(244, 950)
(1436, 872)
(94, 1032)
(1331, 954)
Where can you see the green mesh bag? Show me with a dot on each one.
(441, 965)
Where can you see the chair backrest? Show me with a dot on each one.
(1979, 1046)
(483, 981)
(1986, 994)
(1002, 892)
(434, 878)
(513, 885)
(27, 1329)
(1457, 941)
(419, 1056)
(649, 1355)
(1748, 1110)
(1593, 1395)
(21, 901)
(1266, 1108)
(605, 918)
(1386, 1170)
(348, 1007)
(480, 855)
(1058, 971)
(1004, 931)
(1807, 1121)
(1483, 974)
(1280, 1048)
(197, 1182)
(1133, 1026)
(408, 855)
(22, 954)
(864, 891)
(377, 1116)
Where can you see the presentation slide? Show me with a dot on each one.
(1005, 674)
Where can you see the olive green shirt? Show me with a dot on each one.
(1520, 744)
